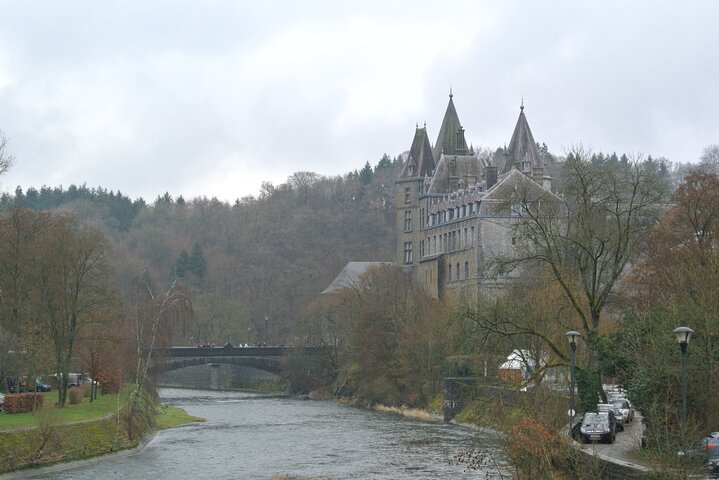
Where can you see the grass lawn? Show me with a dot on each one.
(68, 435)
(102, 406)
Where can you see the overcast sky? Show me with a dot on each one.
(214, 97)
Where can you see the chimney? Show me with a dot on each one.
(538, 174)
(491, 176)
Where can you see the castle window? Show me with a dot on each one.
(516, 209)
(407, 193)
(408, 220)
(421, 248)
(407, 252)
(458, 271)
(450, 272)
(526, 166)
(466, 270)
(514, 241)
(472, 239)
(466, 242)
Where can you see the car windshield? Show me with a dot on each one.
(620, 404)
(594, 418)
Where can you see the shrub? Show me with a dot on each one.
(86, 389)
(110, 381)
(538, 450)
(23, 402)
(75, 395)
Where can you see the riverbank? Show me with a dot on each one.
(27, 452)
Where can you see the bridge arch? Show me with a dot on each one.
(271, 365)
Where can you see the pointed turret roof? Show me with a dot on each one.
(522, 147)
(420, 161)
(450, 140)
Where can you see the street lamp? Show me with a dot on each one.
(683, 335)
(266, 342)
(572, 337)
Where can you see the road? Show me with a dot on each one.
(622, 450)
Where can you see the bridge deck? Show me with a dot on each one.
(269, 351)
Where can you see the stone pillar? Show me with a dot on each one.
(456, 391)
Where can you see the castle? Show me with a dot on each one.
(454, 210)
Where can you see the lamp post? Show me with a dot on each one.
(683, 335)
(572, 337)
(266, 342)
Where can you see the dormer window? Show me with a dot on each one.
(526, 166)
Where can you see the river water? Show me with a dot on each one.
(255, 436)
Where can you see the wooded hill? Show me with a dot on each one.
(265, 256)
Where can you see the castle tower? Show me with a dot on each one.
(408, 189)
(522, 152)
(450, 140)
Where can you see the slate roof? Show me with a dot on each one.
(420, 161)
(447, 140)
(522, 146)
(350, 274)
(451, 168)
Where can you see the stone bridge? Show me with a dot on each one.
(267, 358)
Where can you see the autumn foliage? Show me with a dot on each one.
(23, 402)
(537, 449)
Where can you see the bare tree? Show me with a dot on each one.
(709, 159)
(73, 287)
(154, 314)
(609, 211)
(6, 160)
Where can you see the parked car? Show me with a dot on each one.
(625, 406)
(41, 386)
(17, 385)
(609, 407)
(706, 450)
(598, 427)
(2, 401)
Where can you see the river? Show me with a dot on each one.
(255, 436)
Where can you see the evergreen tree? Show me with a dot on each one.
(365, 174)
(197, 262)
(182, 266)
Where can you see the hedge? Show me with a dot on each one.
(23, 402)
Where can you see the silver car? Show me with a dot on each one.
(624, 406)
(605, 407)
